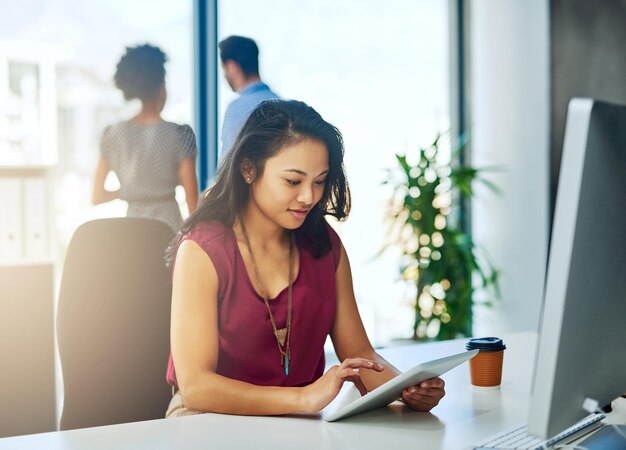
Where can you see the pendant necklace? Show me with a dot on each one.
(283, 336)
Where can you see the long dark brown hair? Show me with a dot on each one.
(272, 126)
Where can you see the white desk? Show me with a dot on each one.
(465, 416)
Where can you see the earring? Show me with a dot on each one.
(248, 180)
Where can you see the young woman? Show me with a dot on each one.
(149, 155)
(261, 279)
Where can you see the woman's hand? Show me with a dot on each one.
(424, 396)
(319, 394)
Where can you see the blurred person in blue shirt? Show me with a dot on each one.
(240, 62)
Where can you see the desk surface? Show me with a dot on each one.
(465, 416)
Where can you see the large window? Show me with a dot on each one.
(379, 72)
(57, 60)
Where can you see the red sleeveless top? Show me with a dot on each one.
(247, 346)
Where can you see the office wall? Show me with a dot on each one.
(588, 60)
(27, 395)
(509, 53)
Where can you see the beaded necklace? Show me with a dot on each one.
(283, 335)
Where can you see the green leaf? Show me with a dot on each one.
(460, 257)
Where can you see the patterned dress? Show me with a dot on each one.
(146, 159)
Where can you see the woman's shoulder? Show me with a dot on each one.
(112, 136)
(118, 127)
(113, 129)
(119, 131)
(207, 232)
(185, 138)
(182, 129)
(217, 241)
(213, 237)
(335, 244)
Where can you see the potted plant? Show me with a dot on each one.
(440, 261)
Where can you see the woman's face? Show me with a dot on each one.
(292, 183)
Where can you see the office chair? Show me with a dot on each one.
(113, 323)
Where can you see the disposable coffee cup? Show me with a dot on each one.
(486, 366)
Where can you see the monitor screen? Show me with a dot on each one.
(582, 340)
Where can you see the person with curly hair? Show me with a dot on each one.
(149, 155)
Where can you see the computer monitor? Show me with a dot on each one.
(582, 341)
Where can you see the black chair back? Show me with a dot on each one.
(113, 323)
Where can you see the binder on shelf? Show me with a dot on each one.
(36, 242)
(11, 238)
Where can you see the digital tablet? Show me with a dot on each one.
(392, 389)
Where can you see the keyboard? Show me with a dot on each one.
(519, 439)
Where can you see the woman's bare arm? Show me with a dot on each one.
(348, 334)
(99, 193)
(350, 341)
(189, 181)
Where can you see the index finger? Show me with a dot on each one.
(362, 362)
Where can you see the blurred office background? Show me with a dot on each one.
(389, 74)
